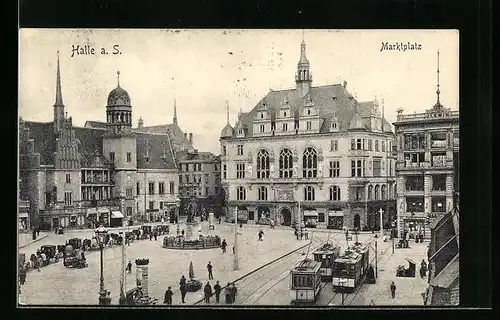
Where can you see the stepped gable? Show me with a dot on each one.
(330, 101)
(44, 140)
(158, 151)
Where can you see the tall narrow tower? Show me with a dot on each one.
(58, 105)
(175, 112)
(303, 78)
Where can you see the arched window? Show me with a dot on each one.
(262, 164)
(309, 193)
(121, 117)
(286, 163)
(309, 163)
(383, 193)
(263, 193)
(334, 193)
(370, 192)
(395, 191)
(377, 192)
(241, 193)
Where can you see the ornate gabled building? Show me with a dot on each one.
(427, 167)
(80, 176)
(315, 145)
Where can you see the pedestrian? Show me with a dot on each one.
(234, 250)
(182, 232)
(183, 288)
(37, 231)
(209, 268)
(129, 267)
(168, 296)
(296, 234)
(260, 235)
(208, 292)
(224, 245)
(38, 263)
(306, 234)
(150, 236)
(22, 275)
(217, 289)
(423, 269)
(156, 235)
(393, 290)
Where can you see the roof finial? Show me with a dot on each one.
(59, 101)
(227, 110)
(438, 91)
(175, 111)
(118, 73)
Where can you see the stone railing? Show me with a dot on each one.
(204, 242)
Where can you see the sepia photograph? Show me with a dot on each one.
(231, 168)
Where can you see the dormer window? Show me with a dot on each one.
(262, 128)
(240, 131)
(334, 125)
(285, 126)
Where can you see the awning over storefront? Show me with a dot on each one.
(116, 215)
(103, 210)
(335, 213)
(310, 213)
(23, 215)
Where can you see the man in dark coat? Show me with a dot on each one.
(208, 292)
(217, 289)
(260, 235)
(183, 288)
(168, 296)
(209, 268)
(393, 290)
(224, 245)
(155, 234)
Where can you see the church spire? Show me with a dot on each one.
(59, 101)
(118, 77)
(303, 77)
(175, 111)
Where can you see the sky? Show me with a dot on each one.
(204, 70)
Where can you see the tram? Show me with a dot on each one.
(363, 250)
(326, 255)
(305, 282)
(347, 270)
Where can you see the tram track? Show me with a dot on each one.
(250, 288)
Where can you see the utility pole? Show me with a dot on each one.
(381, 223)
(123, 274)
(299, 218)
(235, 261)
(376, 259)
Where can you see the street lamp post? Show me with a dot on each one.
(392, 234)
(178, 208)
(123, 298)
(101, 233)
(235, 261)
(381, 212)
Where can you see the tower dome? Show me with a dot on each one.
(118, 96)
(227, 131)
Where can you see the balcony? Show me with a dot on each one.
(408, 165)
(357, 181)
(97, 182)
(357, 153)
(99, 203)
(284, 180)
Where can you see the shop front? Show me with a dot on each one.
(310, 218)
(335, 219)
(92, 221)
(104, 216)
(415, 225)
(116, 219)
(24, 221)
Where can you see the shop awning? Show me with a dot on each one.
(335, 213)
(311, 213)
(103, 210)
(116, 214)
(23, 215)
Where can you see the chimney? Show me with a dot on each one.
(191, 138)
(140, 123)
(345, 84)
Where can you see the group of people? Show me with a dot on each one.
(302, 233)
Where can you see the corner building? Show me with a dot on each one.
(316, 148)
